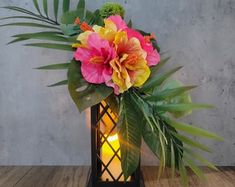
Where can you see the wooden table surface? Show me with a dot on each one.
(76, 176)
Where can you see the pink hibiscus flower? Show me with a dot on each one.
(153, 57)
(118, 21)
(95, 57)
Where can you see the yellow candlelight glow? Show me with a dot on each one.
(112, 144)
(107, 154)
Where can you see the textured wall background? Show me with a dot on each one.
(40, 125)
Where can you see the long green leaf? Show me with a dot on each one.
(194, 168)
(26, 24)
(183, 173)
(191, 142)
(38, 34)
(158, 79)
(45, 7)
(66, 4)
(90, 17)
(163, 150)
(61, 83)
(51, 36)
(81, 4)
(130, 136)
(83, 94)
(151, 138)
(193, 130)
(17, 40)
(181, 107)
(200, 158)
(172, 160)
(178, 99)
(168, 93)
(21, 10)
(35, 2)
(56, 8)
(26, 17)
(51, 46)
(55, 66)
(147, 113)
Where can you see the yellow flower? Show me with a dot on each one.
(129, 67)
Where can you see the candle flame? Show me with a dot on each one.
(112, 138)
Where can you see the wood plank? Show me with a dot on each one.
(76, 176)
(55, 176)
(69, 177)
(9, 176)
(223, 178)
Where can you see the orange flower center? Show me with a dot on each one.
(77, 21)
(85, 27)
(131, 59)
(97, 60)
(148, 38)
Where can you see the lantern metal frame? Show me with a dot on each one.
(98, 167)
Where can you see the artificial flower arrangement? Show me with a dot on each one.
(120, 65)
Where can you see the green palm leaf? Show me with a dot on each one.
(17, 40)
(35, 2)
(181, 107)
(195, 131)
(66, 4)
(199, 157)
(56, 8)
(191, 142)
(45, 7)
(51, 36)
(183, 173)
(81, 4)
(61, 83)
(157, 80)
(26, 17)
(130, 136)
(168, 93)
(27, 24)
(55, 66)
(194, 168)
(51, 46)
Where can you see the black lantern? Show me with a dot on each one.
(105, 152)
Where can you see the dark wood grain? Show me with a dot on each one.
(76, 176)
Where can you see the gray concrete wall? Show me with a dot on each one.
(40, 125)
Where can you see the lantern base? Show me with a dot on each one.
(116, 184)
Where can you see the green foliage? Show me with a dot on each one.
(182, 98)
(56, 8)
(130, 135)
(45, 8)
(51, 46)
(69, 17)
(157, 80)
(81, 4)
(61, 83)
(109, 9)
(27, 24)
(37, 6)
(51, 36)
(66, 5)
(54, 66)
(148, 112)
(83, 94)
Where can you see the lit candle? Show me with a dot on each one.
(106, 154)
(109, 147)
